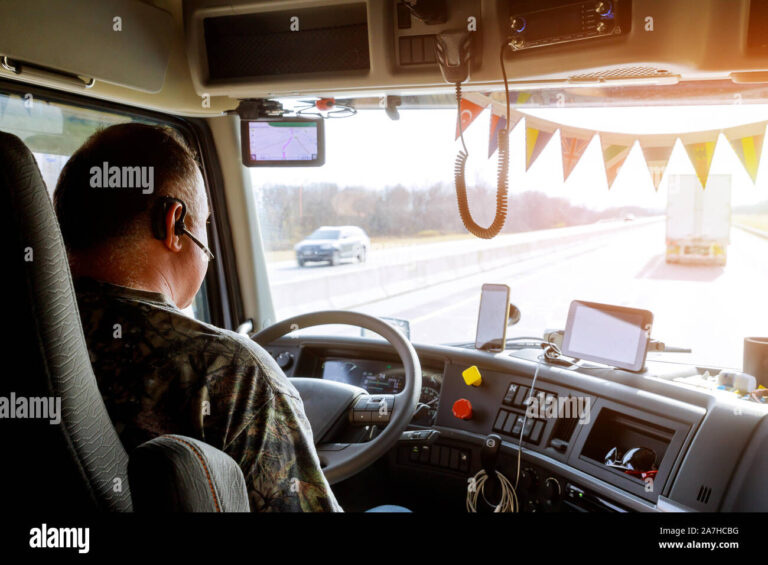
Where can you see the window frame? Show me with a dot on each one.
(225, 305)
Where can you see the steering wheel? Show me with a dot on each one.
(326, 402)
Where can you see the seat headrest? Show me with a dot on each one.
(173, 473)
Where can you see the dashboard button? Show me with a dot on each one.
(509, 423)
(509, 398)
(538, 427)
(284, 359)
(499, 424)
(529, 422)
(445, 456)
(455, 454)
(518, 426)
(522, 393)
(462, 409)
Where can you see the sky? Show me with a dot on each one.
(371, 150)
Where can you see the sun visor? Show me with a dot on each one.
(122, 42)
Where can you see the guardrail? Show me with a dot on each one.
(441, 262)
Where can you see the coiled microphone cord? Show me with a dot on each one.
(502, 173)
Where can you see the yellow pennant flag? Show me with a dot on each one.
(700, 153)
(614, 155)
(523, 97)
(535, 141)
(748, 149)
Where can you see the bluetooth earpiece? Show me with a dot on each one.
(159, 213)
(179, 228)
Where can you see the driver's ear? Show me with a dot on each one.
(172, 241)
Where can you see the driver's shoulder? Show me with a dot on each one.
(247, 353)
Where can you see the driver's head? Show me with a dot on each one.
(106, 198)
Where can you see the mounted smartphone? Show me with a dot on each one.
(492, 318)
(283, 142)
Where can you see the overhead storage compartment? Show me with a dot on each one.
(248, 49)
(123, 42)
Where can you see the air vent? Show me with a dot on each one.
(704, 493)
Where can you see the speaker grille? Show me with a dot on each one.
(622, 73)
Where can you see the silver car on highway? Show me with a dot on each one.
(332, 244)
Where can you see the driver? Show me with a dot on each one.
(120, 200)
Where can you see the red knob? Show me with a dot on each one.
(462, 409)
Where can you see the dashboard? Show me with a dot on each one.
(708, 448)
(386, 377)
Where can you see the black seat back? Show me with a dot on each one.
(79, 462)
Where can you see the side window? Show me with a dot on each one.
(53, 132)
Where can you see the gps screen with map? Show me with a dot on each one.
(291, 142)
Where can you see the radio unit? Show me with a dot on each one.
(530, 25)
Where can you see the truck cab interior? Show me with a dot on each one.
(519, 300)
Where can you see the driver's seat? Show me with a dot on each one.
(75, 462)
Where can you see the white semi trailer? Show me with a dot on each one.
(698, 220)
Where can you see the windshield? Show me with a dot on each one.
(324, 234)
(648, 241)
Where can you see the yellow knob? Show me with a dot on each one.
(472, 376)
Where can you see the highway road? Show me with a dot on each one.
(287, 271)
(709, 309)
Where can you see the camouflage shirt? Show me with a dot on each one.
(160, 371)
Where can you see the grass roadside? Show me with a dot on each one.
(381, 243)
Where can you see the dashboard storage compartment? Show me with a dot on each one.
(624, 428)
(616, 430)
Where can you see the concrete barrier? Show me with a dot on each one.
(753, 231)
(438, 263)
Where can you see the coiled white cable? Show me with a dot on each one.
(508, 502)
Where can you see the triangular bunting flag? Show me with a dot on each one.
(700, 154)
(614, 156)
(656, 159)
(469, 111)
(535, 142)
(523, 97)
(748, 149)
(573, 148)
(497, 123)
